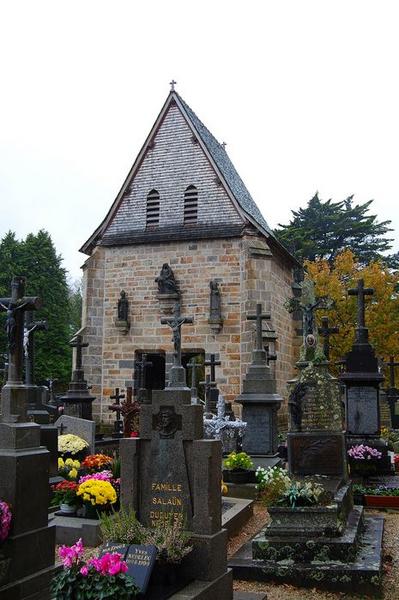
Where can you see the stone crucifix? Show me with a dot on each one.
(325, 331)
(259, 318)
(361, 292)
(194, 366)
(175, 323)
(142, 366)
(15, 306)
(117, 408)
(78, 343)
(30, 328)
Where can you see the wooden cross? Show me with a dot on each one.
(117, 408)
(130, 408)
(361, 292)
(392, 364)
(213, 363)
(15, 306)
(175, 323)
(172, 85)
(78, 344)
(142, 368)
(325, 331)
(259, 318)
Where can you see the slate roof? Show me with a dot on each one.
(226, 168)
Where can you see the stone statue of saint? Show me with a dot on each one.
(123, 307)
(215, 309)
(166, 281)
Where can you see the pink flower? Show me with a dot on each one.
(108, 564)
(71, 554)
(102, 476)
(84, 570)
(5, 520)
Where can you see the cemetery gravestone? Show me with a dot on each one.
(260, 401)
(24, 466)
(81, 427)
(78, 400)
(171, 472)
(362, 380)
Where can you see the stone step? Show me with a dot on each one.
(364, 571)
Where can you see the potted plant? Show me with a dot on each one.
(271, 483)
(97, 495)
(68, 468)
(72, 446)
(103, 577)
(363, 459)
(65, 496)
(5, 526)
(238, 468)
(382, 497)
(358, 494)
(97, 462)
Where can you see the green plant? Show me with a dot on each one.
(122, 527)
(172, 542)
(303, 493)
(116, 467)
(271, 484)
(238, 460)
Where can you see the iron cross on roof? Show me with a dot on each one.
(172, 85)
(15, 306)
(175, 323)
(325, 331)
(259, 318)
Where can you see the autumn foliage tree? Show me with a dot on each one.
(382, 309)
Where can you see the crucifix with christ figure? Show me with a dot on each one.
(175, 323)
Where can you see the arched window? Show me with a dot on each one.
(152, 213)
(191, 204)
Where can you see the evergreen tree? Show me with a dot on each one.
(324, 229)
(36, 259)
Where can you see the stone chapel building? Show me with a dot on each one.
(183, 204)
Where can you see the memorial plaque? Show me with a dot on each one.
(316, 454)
(362, 410)
(140, 561)
(114, 547)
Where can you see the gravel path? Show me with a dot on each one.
(390, 587)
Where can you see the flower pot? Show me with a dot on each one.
(67, 509)
(238, 476)
(90, 511)
(382, 501)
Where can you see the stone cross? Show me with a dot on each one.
(142, 368)
(259, 318)
(325, 331)
(15, 306)
(208, 385)
(30, 327)
(212, 362)
(172, 85)
(361, 292)
(193, 366)
(117, 408)
(175, 323)
(392, 364)
(78, 344)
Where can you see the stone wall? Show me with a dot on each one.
(247, 274)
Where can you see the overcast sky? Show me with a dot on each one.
(304, 92)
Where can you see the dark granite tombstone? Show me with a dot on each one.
(362, 380)
(24, 467)
(392, 393)
(78, 400)
(170, 471)
(259, 400)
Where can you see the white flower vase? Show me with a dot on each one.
(67, 509)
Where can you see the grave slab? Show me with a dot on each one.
(81, 427)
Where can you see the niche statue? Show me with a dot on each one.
(122, 319)
(166, 281)
(215, 306)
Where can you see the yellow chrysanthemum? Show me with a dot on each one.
(98, 492)
(73, 473)
(61, 463)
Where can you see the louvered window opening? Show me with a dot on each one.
(152, 216)
(191, 204)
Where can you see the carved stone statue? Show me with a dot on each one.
(215, 310)
(123, 307)
(166, 281)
